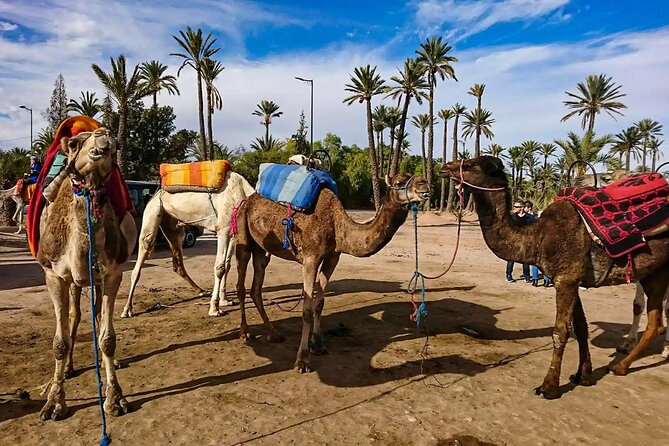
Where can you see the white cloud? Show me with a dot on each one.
(7, 26)
(468, 17)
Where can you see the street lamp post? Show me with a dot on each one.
(31, 125)
(311, 113)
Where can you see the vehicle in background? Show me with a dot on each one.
(141, 192)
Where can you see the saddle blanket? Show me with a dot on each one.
(27, 192)
(293, 184)
(194, 177)
(618, 216)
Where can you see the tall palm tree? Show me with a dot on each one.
(655, 152)
(598, 93)
(529, 159)
(267, 110)
(393, 118)
(648, 129)
(211, 69)
(546, 150)
(379, 118)
(422, 122)
(476, 122)
(445, 114)
(626, 143)
(587, 148)
(477, 91)
(365, 84)
(123, 91)
(433, 55)
(197, 48)
(43, 141)
(517, 160)
(494, 150)
(86, 105)
(154, 79)
(458, 110)
(410, 83)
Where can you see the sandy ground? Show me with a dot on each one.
(190, 380)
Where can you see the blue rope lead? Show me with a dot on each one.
(420, 313)
(287, 237)
(105, 440)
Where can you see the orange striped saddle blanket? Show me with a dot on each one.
(203, 176)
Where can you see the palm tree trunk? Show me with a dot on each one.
(430, 141)
(422, 149)
(394, 167)
(209, 126)
(627, 160)
(200, 109)
(121, 137)
(477, 146)
(545, 161)
(381, 154)
(591, 123)
(266, 131)
(372, 158)
(643, 162)
(451, 187)
(654, 159)
(390, 155)
(442, 197)
(155, 98)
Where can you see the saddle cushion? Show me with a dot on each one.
(619, 215)
(194, 177)
(292, 184)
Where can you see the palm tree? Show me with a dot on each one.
(648, 129)
(477, 91)
(587, 148)
(365, 84)
(477, 122)
(654, 148)
(43, 141)
(123, 91)
(393, 118)
(517, 160)
(494, 150)
(211, 69)
(445, 114)
(597, 94)
(267, 110)
(546, 150)
(87, 105)
(529, 160)
(379, 118)
(626, 143)
(154, 79)
(197, 49)
(458, 110)
(464, 154)
(422, 122)
(267, 143)
(410, 83)
(433, 55)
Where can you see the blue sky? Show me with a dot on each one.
(527, 52)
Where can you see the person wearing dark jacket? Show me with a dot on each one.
(519, 217)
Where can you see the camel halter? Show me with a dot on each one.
(404, 187)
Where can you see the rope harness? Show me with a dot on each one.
(289, 225)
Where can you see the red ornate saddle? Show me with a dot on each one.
(621, 214)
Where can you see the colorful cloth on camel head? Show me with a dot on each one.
(120, 197)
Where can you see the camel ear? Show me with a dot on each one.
(388, 180)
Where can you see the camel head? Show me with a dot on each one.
(406, 189)
(483, 171)
(90, 155)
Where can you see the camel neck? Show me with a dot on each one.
(505, 238)
(366, 239)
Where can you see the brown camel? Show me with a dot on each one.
(320, 237)
(559, 244)
(63, 254)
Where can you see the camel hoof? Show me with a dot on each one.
(577, 378)
(71, 373)
(53, 411)
(319, 350)
(215, 313)
(665, 352)
(203, 293)
(275, 338)
(303, 367)
(547, 392)
(627, 345)
(116, 409)
(619, 369)
(126, 313)
(225, 303)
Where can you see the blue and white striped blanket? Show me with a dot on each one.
(293, 184)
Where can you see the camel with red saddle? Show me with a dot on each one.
(560, 243)
(201, 194)
(21, 203)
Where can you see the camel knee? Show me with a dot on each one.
(108, 344)
(61, 346)
(560, 338)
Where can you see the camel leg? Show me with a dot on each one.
(55, 407)
(318, 346)
(150, 223)
(75, 318)
(566, 297)
(242, 255)
(630, 339)
(260, 262)
(115, 403)
(222, 301)
(309, 270)
(665, 351)
(655, 287)
(583, 375)
(175, 238)
(18, 216)
(220, 272)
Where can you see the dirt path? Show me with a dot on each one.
(190, 380)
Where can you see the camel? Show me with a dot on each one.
(319, 238)
(63, 254)
(559, 244)
(637, 309)
(212, 211)
(21, 203)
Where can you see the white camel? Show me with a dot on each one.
(639, 304)
(18, 217)
(169, 212)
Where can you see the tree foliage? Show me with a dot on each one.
(57, 110)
